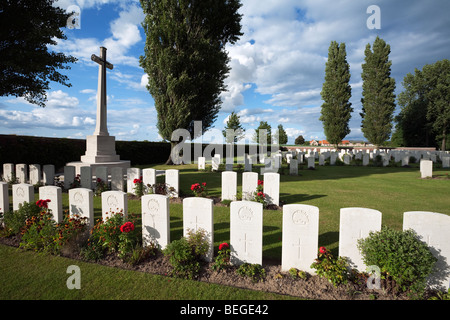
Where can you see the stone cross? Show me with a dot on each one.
(101, 128)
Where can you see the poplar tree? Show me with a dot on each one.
(336, 93)
(378, 102)
(185, 59)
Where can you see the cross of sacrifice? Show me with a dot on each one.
(101, 128)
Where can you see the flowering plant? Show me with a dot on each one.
(335, 270)
(43, 203)
(198, 189)
(259, 195)
(138, 187)
(222, 259)
(100, 186)
(127, 227)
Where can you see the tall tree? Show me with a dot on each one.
(299, 140)
(186, 61)
(378, 102)
(263, 125)
(436, 79)
(27, 65)
(281, 135)
(336, 93)
(425, 101)
(234, 123)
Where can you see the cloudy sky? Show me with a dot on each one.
(277, 67)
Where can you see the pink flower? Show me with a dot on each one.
(322, 250)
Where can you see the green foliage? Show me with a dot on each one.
(14, 221)
(378, 93)
(281, 135)
(299, 140)
(222, 259)
(327, 266)
(186, 60)
(252, 270)
(297, 274)
(115, 234)
(29, 28)
(336, 93)
(186, 254)
(399, 254)
(263, 127)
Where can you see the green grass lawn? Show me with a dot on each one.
(391, 190)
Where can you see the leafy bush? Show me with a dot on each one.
(116, 234)
(222, 259)
(186, 254)
(399, 254)
(335, 270)
(14, 221)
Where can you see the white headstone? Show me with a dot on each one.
(229, 185)
(102, 174)
(201, 163)
(249, 185)
(132, 173)
(311, 160)
(426, 168)
(272, 187)
(366, 159)
(48, 174)
(155, 220)
(173, 181)
(148, 177)
(246, 230)
(117, 181)
(35, 173)
(22, 173)
(446, 162)
(69, 176)
(293, 167)
(114, 202)
(433, 228)
(300, 236)
(86, 177)
(22, 192)
(356, 223)
(198, 214)
(54, 194)
(247, 163)
(215, 161)
(81, 203)
(4, 198)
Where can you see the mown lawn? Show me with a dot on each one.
(391, 190)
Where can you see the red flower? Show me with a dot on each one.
(43, 203)
(261, 194)
(204, 184)
(223, 245)
(322, 250)
(260, 182)
(127, 227)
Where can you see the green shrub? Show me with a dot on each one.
(399, 254)
(327, 266)
(186, 254)
(14, 221)
(252, 270)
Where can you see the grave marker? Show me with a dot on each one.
(249, 185)
(426, 168)
(4, 198)
(300, 236)
(246, 226)
(198, 214)
(117, 183)
(21, 193)
(155, 220)
(173, 181)
(272, 187)
(114, 202)
(229, 185)
(53, 193)
(132, 173)
(81, 203)
(356, 223)
(433, 228)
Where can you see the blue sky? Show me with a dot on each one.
(277, 67)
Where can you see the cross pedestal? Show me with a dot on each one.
(100, 147)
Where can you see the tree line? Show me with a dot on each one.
(425, 102)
